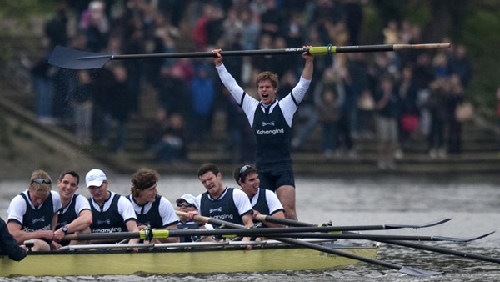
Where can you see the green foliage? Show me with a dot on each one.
(417, 13)
(481, 36)
(25, 8)
(372, 24)
(480, 33)
(20, 131)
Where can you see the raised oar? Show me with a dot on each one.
(75, 59)
(400, 268)
(291, 222)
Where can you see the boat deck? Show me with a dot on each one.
(178, 259)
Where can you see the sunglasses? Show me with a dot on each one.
(185, 205)
(41, 181)
(244, 169)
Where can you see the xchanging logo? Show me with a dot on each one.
(271, 131)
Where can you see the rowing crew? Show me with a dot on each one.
(44, 216)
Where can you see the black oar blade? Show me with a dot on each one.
(462, 240)
(401, 226)
(75, 59)
(418, 272)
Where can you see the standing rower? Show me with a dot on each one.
(271, 121)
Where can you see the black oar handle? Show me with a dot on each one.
(261, 52)
(291, 222)
(367, 48)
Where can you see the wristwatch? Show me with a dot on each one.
(64, 229)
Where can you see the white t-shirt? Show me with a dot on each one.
(125, 208)
(287, 104)
(17, 207)
(240, 200)
(273, 203)
(165, 208)
(81, 203)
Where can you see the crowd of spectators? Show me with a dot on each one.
(422, 94)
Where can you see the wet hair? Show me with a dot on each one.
(204, 168)
(70, 172)
(267, 75)
(242, 171)
(142, 179)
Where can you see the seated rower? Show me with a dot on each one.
(32, 215)
(187, 203)
(263, 201)
(152, 210)
(111, 212)
(75, 215)
(223, 203)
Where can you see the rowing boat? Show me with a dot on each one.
(179, 258)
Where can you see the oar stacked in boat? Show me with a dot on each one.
(395, 240)
(312, 232)
(286, 234)
(279, 233)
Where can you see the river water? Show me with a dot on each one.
(472, 202)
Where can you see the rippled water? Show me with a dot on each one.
(472, 202)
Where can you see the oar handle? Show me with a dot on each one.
(204, 219)
(104, 236)
(285, 221)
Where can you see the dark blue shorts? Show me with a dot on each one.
(272, 180)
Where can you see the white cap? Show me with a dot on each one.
(188, 198)
(95, 177)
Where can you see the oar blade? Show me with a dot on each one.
(418, 272)
(75, 59)
(409, 226)
(462, 240)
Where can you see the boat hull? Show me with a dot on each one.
(178, 261)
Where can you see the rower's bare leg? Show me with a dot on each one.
(40, 246)
(286, 195)
(81, 242)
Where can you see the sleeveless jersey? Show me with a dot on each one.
(273, 137)
(38, 219)
(152, 217)
(261, 205)
(222, 208)
(188, 225)
(109, 220)
(68, 214)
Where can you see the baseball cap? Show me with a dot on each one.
(188, 198)
(95, 177)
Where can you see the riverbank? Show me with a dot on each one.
(27, 144)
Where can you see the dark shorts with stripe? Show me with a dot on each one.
(272, 180)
